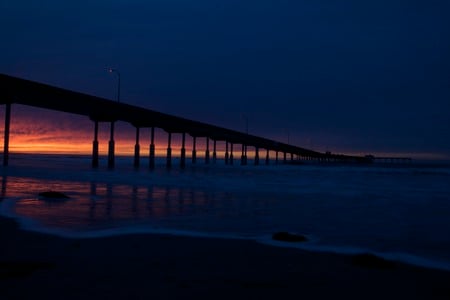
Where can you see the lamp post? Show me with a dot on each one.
(244, 148)
(111, 70)
(111, 144)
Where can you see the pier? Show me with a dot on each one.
(15, 90)
(393, 160)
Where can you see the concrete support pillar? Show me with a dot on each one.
(194, 150)
(151, 163)
(276, 158)
(284, 157)
(231, 154)
(169, 151)
(111, 155)
(243, 155)
(6, 136)
(137, 149)
(256, 156)
(207, 151)
(95, 146)
(267, 157)
(214, 152)
(226, 153)
(292, 156)
(183, 151)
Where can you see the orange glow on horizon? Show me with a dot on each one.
(126, 148)
(40, 131)
(80, 147)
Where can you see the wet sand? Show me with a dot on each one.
(37, 266)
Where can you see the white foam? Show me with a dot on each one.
(34, 226)
(332, 201)
(407, 258)
(312, 245)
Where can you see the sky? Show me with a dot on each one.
(344, 76)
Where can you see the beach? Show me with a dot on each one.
(205, 233)
(144, 266)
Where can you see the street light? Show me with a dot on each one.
(111, 70)
(244, 146)
(111, 140)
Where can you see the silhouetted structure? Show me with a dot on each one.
(25, 92)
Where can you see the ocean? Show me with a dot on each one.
(400, 212)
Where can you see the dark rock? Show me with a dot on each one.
(288, 237)
(372, 261)
(53, 195)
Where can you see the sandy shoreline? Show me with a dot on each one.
(171, 267)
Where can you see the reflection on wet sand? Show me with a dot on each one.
(93, 203)
(3, 191)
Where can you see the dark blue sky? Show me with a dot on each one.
(364, 76)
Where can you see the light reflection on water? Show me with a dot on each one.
(106, 205)
(381, 208)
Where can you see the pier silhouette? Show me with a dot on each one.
(15, 90)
